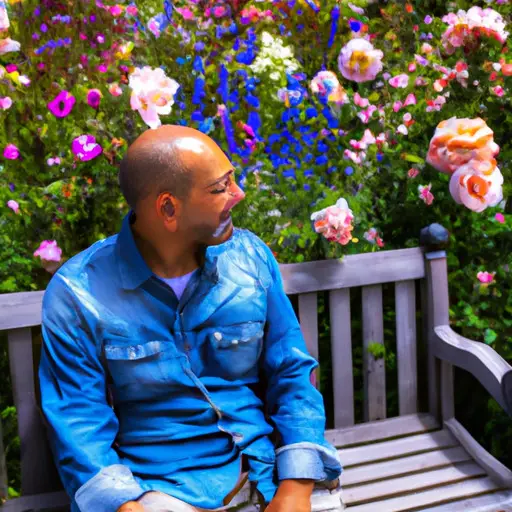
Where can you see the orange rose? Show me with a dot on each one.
(458, 141)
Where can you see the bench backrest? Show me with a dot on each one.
(404, 269)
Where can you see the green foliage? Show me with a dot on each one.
(377, 350)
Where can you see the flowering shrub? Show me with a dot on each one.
(399, 110)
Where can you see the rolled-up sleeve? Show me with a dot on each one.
(82, 426)
(295, 405)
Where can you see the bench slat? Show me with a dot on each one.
(397, 467)
(375, 431)
(404, 484)
(54, 501)
(374, 370)
(405, 306)
(353, 270)
(308, 318)
(501, 501)
(20, 310)
(38, 472)
(396, 448)
(341, 350)
(438, 495)
(3, 467)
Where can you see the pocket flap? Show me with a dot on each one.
(133, 352)
(227, 336)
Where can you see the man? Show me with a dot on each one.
(181, 320)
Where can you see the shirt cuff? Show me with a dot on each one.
(108, 490)
(307, 461)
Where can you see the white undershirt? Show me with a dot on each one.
(178, 284)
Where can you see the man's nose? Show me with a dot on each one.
(237, 193)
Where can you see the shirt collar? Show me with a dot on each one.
(133, 269)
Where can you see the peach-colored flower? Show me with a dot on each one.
(360, 61)
(326, 83)
(115, 89)
(335, 222)
(425, 195)
(457, 141)
(476, 189)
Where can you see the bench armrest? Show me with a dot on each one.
(483, 362)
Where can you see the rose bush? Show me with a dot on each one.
(402, 110)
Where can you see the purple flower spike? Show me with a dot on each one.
(62, 105)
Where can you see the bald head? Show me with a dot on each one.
(165, 160)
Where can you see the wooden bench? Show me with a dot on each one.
(414, 461)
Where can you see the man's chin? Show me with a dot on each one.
(223, 233)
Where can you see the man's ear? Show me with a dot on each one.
(166, 209)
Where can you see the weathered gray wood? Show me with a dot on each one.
(353, 270)
(496, 501)
(403, 466)
(54, 501)
(20, 310)
(405, 305)
(308, 317)
(494, 468)
(396, 448)
(3, 467)
(341, 350)
(382, 430)
(37, 469)
(437, 495)
(398, 486)
(477, 358)
(374, 369)
(429, 340)
(437, 278)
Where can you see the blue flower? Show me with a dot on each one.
(349, 171)
(355, 26)
(311, 112)
(321, 160)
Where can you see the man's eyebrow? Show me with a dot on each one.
(222, 178)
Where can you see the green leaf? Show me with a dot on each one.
(490, 336)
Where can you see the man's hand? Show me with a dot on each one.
(131, 506)
(292, 496)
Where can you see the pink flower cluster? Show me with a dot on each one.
(466, 28)
(335, 222)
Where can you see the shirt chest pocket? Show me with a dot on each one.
(148, 363)
(235, 350)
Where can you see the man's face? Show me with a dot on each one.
(206, 214)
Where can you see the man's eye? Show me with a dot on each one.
(224, 188)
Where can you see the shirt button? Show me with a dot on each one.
(217, 336)
(234, 342)
(187, 347)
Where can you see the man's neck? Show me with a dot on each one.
(167, 259)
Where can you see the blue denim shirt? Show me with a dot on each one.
(193, 383)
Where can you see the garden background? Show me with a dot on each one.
(75, 92)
